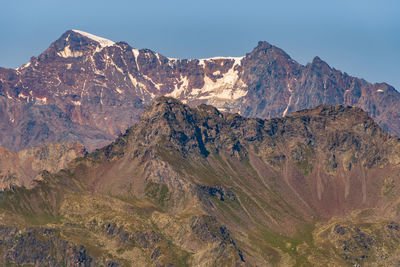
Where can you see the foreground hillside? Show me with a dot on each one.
(194, 186)
(88, 89)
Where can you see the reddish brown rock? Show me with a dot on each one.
(87, 89)
(21, 168)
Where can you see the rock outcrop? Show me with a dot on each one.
(87, 89)
(21, 168)
(194, 186)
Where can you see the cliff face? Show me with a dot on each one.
(21, 168)
(200, 187)
(87, 89)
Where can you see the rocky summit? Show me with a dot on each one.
(88, 89)
(197, 186)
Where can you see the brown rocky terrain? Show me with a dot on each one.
(88, 89)
(21, 168)
(194, 186)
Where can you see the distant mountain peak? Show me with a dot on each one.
(320, 64)
(82, 81)
(74, 43)
(102, 41)
(263, 45)
(163, 106)
(264, 48)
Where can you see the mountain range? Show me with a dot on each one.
(88, 89)
(115, 156)
(194, 186)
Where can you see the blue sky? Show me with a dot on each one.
(360, 37)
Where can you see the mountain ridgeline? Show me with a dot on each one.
(23, 167)
(195, 186)
(88, 89)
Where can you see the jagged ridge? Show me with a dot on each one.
(200, 187)
(82, 91)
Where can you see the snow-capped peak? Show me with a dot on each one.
(102, 41)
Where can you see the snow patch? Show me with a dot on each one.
(24, 66)
(101, 96)
(215, 73)
(141, 86)
(133, 80)
(202, 63)
(136, 54)
(287, 107)
(102, 41)
(290, 99)
(227, 88)
(380, 91)
(156, 85)
(41, 100)
(20, 95)
(67, 52)
(236, 59)
(23, 97)
(158, 58)
(178, 91)
(118, 68)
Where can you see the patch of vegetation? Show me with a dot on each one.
(229, 207)
(388, 186)
(159, 193)
(298, 247)
(305, 166)
(36, 206)
(303, 156)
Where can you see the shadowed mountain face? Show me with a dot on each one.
(196, 186)
(87, 89)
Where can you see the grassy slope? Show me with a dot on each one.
(278, 202)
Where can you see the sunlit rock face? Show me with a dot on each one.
(89, 89)
(22, 168)
(193, 186)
